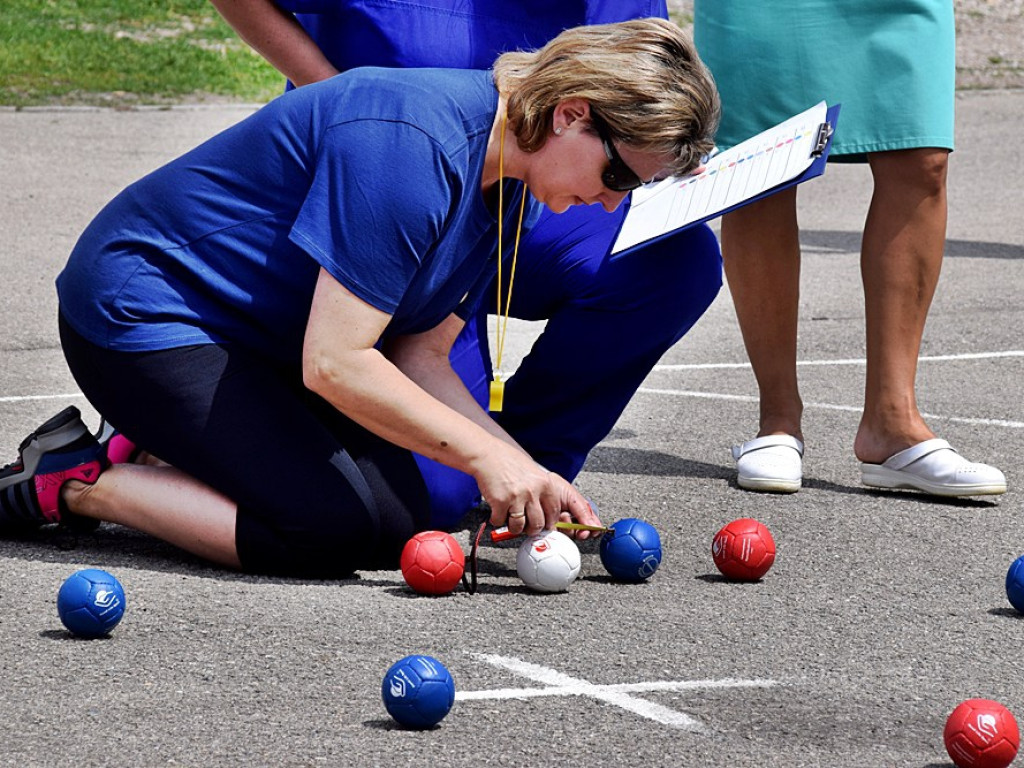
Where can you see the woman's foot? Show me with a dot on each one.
(773, 464)
(61, 450)
(118, 448)
(932, 466)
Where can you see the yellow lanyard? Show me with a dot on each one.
(497, 388)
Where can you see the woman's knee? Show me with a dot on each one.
(924, 169)
(683, 275)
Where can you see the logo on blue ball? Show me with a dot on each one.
(418, 691)
(91, 603)
(648, 566)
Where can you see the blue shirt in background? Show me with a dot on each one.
(466, 34)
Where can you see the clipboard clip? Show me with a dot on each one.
(821, 141)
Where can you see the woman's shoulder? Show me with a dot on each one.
(441, 102)
(413, 86)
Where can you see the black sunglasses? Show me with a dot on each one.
(618, 176)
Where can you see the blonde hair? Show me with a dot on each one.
(643, 77)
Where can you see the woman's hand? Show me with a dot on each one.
(528, 498)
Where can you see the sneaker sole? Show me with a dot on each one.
(56, 432)
(769, 484)
(889, 480)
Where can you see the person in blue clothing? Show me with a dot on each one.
(271, 314)
(609, 318)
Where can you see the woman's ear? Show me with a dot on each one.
(569, 111)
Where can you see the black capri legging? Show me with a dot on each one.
(317, 495)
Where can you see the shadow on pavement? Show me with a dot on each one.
(612, 460)
(849, 242)
(1008, 613)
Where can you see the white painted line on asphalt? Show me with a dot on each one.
(849, 361)
(26, 398)
(746, 398)
(828, 407)
(651, 687)
(560, 684)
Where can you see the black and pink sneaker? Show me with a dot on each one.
(61, 449)
(118, 448)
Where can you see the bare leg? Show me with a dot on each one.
(761, 253)
(901, 257)
(163, 502)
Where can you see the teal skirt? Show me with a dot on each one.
(891, 64)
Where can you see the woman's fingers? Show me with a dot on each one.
(518, 517)
(538, 501)
(517, 520)
(572, 506)
(582, 511)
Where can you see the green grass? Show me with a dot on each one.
(683, 19)
(125, 52)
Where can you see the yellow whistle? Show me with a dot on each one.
(497, 391)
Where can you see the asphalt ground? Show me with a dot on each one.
(882, 612)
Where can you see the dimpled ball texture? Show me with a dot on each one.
(90, 603)
(433, 563)
(418, 691)
(981, 733)
(743, 550)
(631, 550)
(548, 562)
(1015, 584)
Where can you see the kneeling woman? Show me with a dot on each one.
(271, 313)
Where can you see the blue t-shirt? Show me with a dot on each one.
(467, 34)
(373, 174)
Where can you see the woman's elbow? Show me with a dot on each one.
(321, 372)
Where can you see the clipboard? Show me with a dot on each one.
(792, 152)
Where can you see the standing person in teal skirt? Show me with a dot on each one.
(891, 66)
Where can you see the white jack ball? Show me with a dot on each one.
(548, 562)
